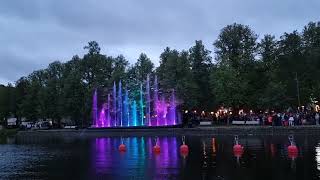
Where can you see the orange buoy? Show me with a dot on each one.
(184, 148)
(184, 154)
(292, 149)
(237, 148)
(156, 149)
(238, 153)
(122, 148)
(293, 154)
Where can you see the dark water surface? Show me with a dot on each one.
(264, 158)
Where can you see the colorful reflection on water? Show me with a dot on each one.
(108, 162)
(209, 158)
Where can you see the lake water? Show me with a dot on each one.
(264, 158)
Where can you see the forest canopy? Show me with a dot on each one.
(240, 70)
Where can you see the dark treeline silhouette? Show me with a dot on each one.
(245, 72)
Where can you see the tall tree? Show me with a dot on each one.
(311, 41)
(200, 60)
(74, 92)
(53, 91)
(235, 51)
(175, 73)
(291, 67)
(236, 46)
(119, 69)
(96, 70)
(143, 67)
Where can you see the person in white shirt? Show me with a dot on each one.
(291, 119)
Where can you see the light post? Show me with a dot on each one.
(298, 89)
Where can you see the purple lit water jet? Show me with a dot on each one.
(135, 107)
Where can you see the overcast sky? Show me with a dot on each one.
(37, 32)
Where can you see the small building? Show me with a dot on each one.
(12, 122)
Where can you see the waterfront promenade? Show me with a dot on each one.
(197, 131)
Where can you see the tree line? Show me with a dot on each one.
(245, 72)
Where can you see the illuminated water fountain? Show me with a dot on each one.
(122, 108)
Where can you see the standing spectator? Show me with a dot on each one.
(270, 120)
(283, 119)
(291, 119)
(317, 117)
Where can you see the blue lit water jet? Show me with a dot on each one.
(135, 107)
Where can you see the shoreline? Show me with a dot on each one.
(8, 132)
(197, 131)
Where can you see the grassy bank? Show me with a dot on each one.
(8, 132)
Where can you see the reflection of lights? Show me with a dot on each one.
(204, 148)
(213, 146)
(318, 156)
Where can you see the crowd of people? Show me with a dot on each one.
(271, 118)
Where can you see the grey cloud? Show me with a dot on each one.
(40, 31)
(11, 64)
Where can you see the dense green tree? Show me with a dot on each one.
(236, 46)
(266, 74)
(292, 66)
(143, 67)
(200, 60)
(174, 72)
(272, 91)
(167, 71)
(4, 99)
(53, 91)
(311, 41)
(119, 69)
(235, 50)
(74, 92)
